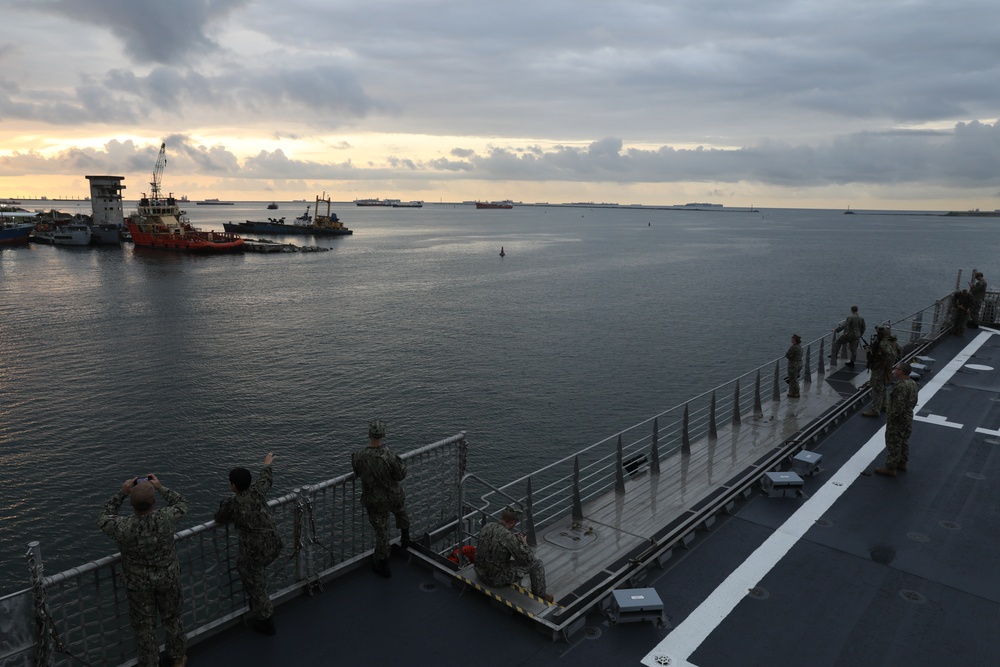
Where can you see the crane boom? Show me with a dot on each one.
(161, 162)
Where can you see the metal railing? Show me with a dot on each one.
(80, 616)
(561, 488)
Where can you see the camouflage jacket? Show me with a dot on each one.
(146, 542)
(498, 552)
(853, 327)
(885, 353)
(380, 472)
(248, 511)
(794, 356)
(902, 400)
(977, 290)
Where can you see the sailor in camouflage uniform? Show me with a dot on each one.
(503, 557)
(853, 328)
(899, 422)
(794, 356)
(884, 353)
(380, 472)
(260, 541)
(150, 569)
(977, 294)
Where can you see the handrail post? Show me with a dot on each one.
(736, 405)
(577, 503)
(808, 375)
(758, 410)
(685, 436)
(302, 547)
(820, 368)
(529, 519)
(776, 392)
(619, 469)
(713, 433)
(654, 454)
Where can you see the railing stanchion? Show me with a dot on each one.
(758, 410)
(577, 503)
(619, 469)
(685, 436)
(654, 453)
(529, 519)
(736, 404)
(776, 392)
(820, 367)
(808, 365)
(713, 432)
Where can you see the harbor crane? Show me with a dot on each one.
(161, 162)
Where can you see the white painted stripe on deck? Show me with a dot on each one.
(702, 622)
(938, 420)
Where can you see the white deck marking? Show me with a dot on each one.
(696, 628)
(938, 420)
(987, 431)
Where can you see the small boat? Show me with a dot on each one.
(158, 222)
(507, 203)
(15, 233)
(77, 234)
(502, 253)
(273, 206)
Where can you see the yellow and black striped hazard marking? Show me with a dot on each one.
(519, 609)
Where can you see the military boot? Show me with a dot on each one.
(381, 568)
(404, 542)
(888, 472)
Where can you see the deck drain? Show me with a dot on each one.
(975, 475)
(824, 522)
(592, 632)
(663, 660)
(992, 441)
(428, 587)
(912, 596)
(950, 525)
(918, 537)
(758, 593)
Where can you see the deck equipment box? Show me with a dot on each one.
(806, 463)
(781, 483)
(631, 605)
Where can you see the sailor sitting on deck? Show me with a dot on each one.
(503, 557)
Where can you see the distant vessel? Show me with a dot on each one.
(214, 202)
(319, 225)
(376, 202)
(158, 222)
(408, 204)
(76, 233)
(502, 253)
(273, 206)
(506, 203)
(697, 204)
(15, 233)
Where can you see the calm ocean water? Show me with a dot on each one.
(115, 362)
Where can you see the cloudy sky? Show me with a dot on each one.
(869, 103)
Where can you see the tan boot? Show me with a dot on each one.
(182, 662)
(888, 472)
(870, 413)
(901, 467)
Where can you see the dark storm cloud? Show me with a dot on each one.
(168, 32)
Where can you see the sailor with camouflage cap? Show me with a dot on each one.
(504, 557)
(380, 472)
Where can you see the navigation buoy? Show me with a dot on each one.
(502, 253)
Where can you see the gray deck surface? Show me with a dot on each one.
(897, 571)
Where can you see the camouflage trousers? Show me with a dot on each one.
(878, 390)
(897, 436)
(144, 600)
(842, 345)
(961, 319)
(251, 566)
(378, 517)
(513, 574)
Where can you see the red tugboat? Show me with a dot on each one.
(158, 222)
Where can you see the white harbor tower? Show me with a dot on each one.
(106, 204)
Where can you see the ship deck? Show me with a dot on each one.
(859, 569)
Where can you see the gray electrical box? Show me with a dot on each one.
(781, 483)
(631, 605)
(806, 463)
